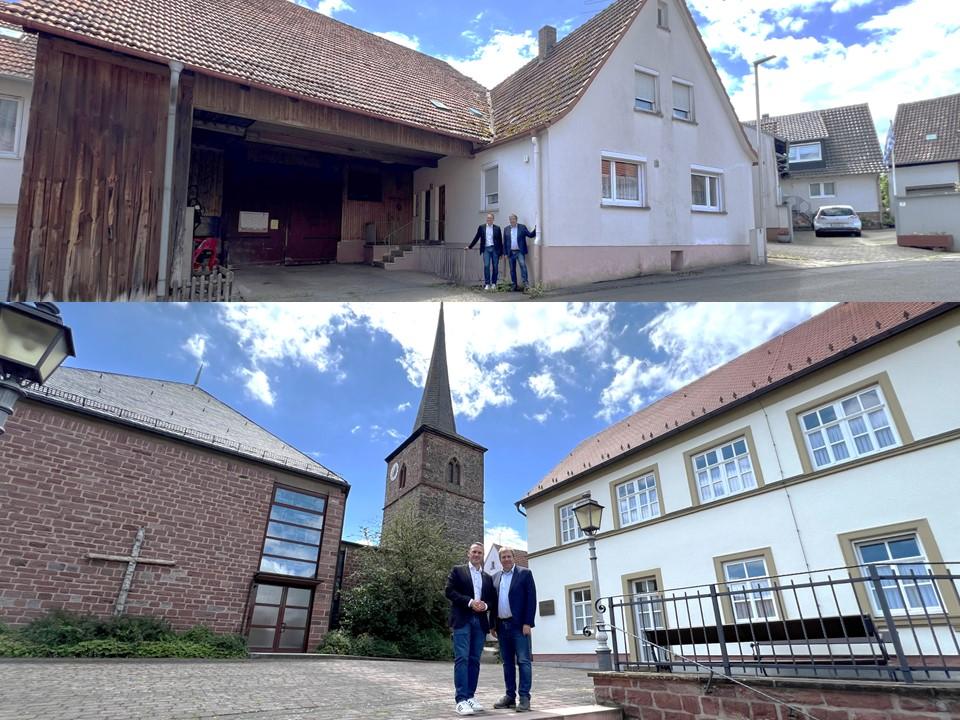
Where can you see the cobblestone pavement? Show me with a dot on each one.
(308, 689)
(807, 250)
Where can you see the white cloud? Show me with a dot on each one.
(408, 41)
(196, 345)
(544, 386)
(403, 406)
(257, 385)
(696, 338)
(539, 417)
(355, 429)
(327, 7)
(495, 58)
(504, 536)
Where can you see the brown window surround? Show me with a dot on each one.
(688, 456)
(725, 604)
(568, 601)
(627, 583)
(614, 503)
(890, 397)
(921, 528)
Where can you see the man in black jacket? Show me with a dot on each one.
(471, 595)
(512, 620)
(515, 246)
(491, 248)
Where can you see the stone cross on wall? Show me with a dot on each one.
(132, 560)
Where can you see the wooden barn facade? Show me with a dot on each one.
(297, 150)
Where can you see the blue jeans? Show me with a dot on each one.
(515, 652)
(515, 257)
(491, 265)
(467, 648)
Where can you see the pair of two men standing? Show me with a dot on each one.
(504, 604)
(494, 242)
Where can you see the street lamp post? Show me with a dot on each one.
(762, 225)
(33, 343)
(588, 513)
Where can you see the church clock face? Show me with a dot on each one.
(394, 472)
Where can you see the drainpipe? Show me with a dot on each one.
(538, 217)
(165, 220)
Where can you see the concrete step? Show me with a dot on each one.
(583, 712)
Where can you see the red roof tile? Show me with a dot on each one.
(17, 55)
(928, 131)
(821, 340)
(278, 45)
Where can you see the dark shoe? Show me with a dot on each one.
(505, 702)
(516, 288)
(523, 705)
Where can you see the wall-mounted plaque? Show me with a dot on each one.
(546, 608)
(253, 221)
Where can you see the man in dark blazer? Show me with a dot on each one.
(515, 246)
(490, 238)
(471, 595)
(513, 615)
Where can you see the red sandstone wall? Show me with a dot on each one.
(666, 697)
(70, 484)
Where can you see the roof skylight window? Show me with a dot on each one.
(440, 106)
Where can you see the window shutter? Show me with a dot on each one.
(646, 89)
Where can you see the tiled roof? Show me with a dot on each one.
(278, 45)
(17, 55)
(915, 121)
(174, 409)
(540, 92)
(850, 143)
(820, 340)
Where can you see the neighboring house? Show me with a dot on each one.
(17, 55)
(241, 530)
(835, 159)
(776, 211)
(787, 459)
(304, 140)
(492, 562)
(925, 178)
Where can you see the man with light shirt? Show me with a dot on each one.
(471, 595)
(515, 610)
(490, 238)
(515, 246)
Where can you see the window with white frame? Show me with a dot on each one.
(682, 100)
(806, 152)
(905, 576)
(724, 470)
(645, 93)
(637, 500)
(826, 189)
(569, 528)
(663, 16)
(706, 190)
(852, 427)
(622, 179)
(491, 187)
(648, 612)
(752, 597)
(581, 610)
(9, 125)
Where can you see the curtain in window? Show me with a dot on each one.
(628, 182)
(8, 125)
(605, 179)
(699, 186)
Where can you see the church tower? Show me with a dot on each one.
(436, 471)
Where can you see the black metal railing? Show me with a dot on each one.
(894, 621)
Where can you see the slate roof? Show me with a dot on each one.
(540, 92)
(850, 146)
(915, 121)
(436, 405)
(174, 409)
(17, 55)
(279, 45)
(823, 339)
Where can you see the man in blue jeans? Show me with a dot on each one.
(515, 246)
(490, 238)
(471, 595)
(515, 609)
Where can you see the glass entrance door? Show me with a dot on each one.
(280, 619)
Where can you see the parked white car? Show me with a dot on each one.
(837, 219)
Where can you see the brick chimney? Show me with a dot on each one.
(547, 38)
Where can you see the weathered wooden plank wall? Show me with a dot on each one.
(182, 237)
(88, 224)
(394, 214)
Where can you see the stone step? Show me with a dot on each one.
(582, 712)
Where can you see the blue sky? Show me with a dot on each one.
(830, 52)
(343, 382)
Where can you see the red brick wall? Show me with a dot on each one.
(673, 697)
(71, 484)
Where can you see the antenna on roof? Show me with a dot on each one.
(196, 380)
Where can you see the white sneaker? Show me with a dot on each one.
(477, 707)
(463, 708)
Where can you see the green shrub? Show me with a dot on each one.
(336, 642)
(106, 647)
(12, 646)
(3, 629)
(180, 648)
(370, 646)
(427, 645)
(134, 629)
(60, 628)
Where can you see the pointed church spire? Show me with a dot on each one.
(436, 406)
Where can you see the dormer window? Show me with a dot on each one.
(806, 152)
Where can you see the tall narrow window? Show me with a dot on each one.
(453, 472)
(293, 535)
(581, 610)
(663, 16)
(491, 187)
(403, 476)
(9, 126)
(648, 613)
(646, 91)
(569, 528)
(682, 100)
